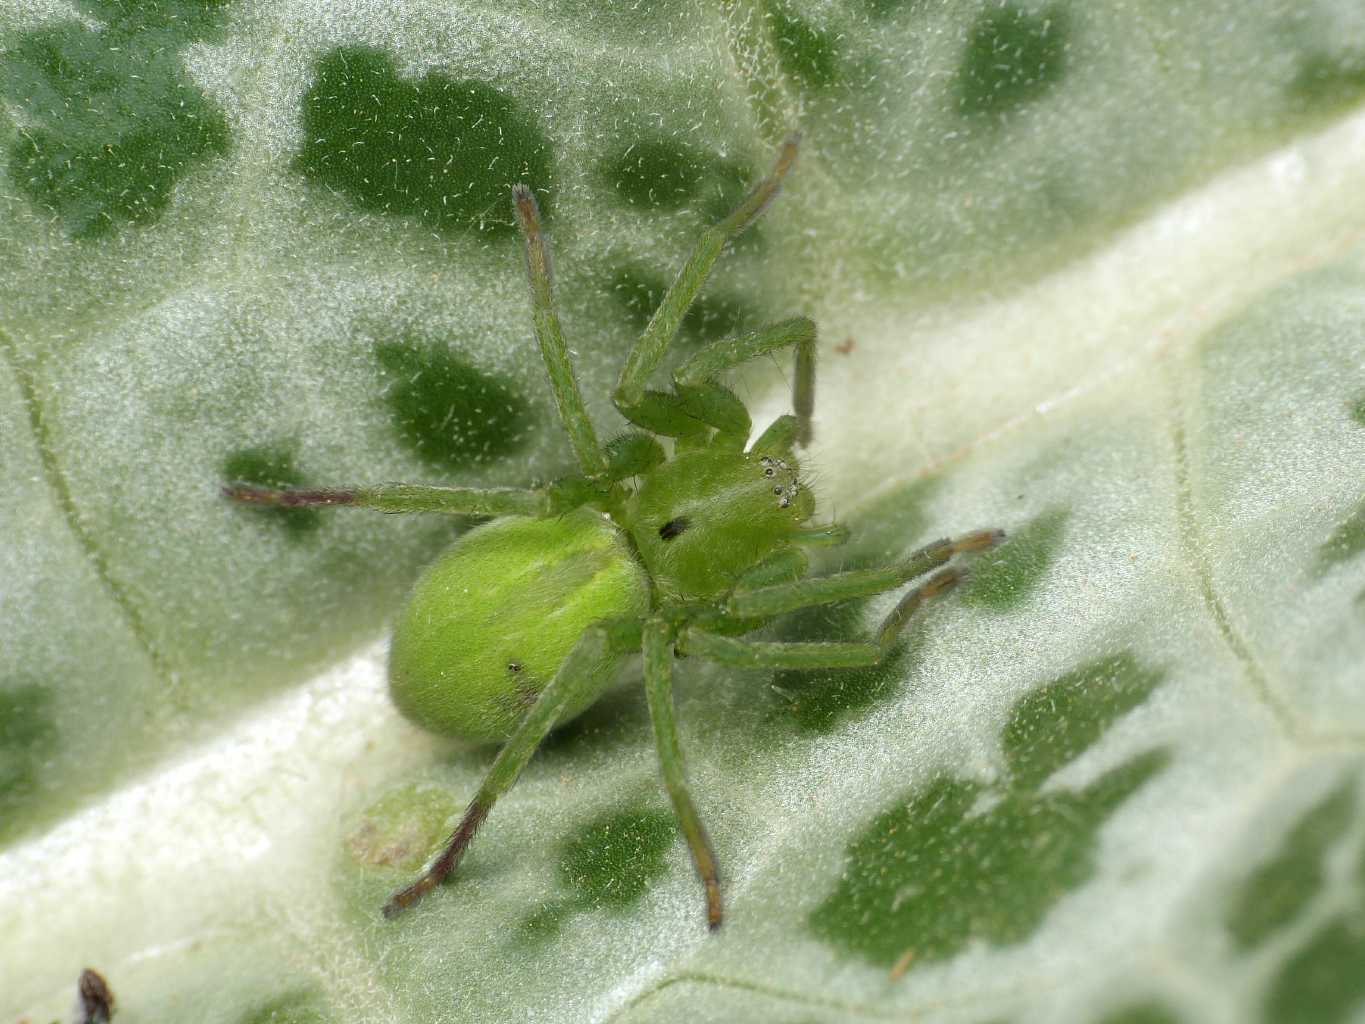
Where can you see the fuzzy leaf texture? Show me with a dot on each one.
(1090, 272)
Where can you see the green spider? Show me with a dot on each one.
(523, 622)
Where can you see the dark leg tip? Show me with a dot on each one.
(398, 902)
(944, 579)
(404, 898)
(981, 540)
(714, 914)
(248, 494)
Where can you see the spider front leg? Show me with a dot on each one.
(695, 382)
(655, 410)
(589, 662)
(658, 664)
(568, 399)
(799, 332)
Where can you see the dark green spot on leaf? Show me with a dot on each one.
(608, 865)
(664, 173)
(1004, 578)
(1141, 1013)
(452, 414)
(1345, 543)
(1327, 82)
(27, 735)
(729, 182)
(1277, 892)
(543, 925)
(960, 862)
(1013, 56)
(1323, 982)
(110, 121)
(932, 873)
(657, 173)
(272, 466)
(807, 55)
(886, 527)
(442, 149)
(611, 862)
(299, 1007)
(639, 292)
(1358, 410)
(1051, 726)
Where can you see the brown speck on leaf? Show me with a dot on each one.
(97, 1002)
(369, 845)
(845, 347)
(902, 965)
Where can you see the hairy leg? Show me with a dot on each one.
(582, 669)
(696, 377)
(854, 654)
(404, 497)
(663, 326)
(491, 501)
(786, 432)
(658, 661)
(569, 400)
(786, 597)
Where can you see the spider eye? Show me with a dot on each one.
(674, 527)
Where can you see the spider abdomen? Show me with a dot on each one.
(489, 623)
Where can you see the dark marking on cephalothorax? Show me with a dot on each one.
(674, 527)
(514, 666)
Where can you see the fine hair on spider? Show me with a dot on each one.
(523, 622)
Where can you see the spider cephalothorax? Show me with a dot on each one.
(704, 517)
(524, 621)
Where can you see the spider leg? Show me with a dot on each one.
(706, 400)
(786, 432)
(778, 598)
(663, 326)
(785, 565)
(583, 668)
(658, 663)
(855, 654)
(827, 535)
(493, 501)
(568, 399)
(722, 355)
